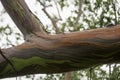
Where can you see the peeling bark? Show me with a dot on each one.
(43, 53)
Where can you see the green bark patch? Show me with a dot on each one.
(19, 63)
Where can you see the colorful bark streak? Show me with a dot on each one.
(69, 52)
(43, 53)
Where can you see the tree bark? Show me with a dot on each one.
(23, 17)
(68, 75)
(43, 53)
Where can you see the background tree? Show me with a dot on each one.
(93, 14)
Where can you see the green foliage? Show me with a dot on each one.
(62, 3)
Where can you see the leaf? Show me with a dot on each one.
(61, 3)
(63, 27)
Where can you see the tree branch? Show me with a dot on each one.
(78, 15)
(54, 22)
(57, 10)
(63, 52)
(22, 16)
(68, 75)
(56, 53)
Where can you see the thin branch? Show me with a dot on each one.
(115, 13)
(57, 10)
(90, 70)
(78, 15)
(54, 22)
(68, 75)
(109, 70)
(11, 64)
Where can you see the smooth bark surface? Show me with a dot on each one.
(43, 53)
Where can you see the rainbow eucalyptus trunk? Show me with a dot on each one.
(44, 53)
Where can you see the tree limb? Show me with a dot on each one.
(22, 16)
(56, 53)
(63, 52)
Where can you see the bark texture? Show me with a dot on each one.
(43, 53)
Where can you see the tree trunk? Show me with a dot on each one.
(68, 75)
(44, 53)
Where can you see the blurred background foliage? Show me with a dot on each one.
(66, 16)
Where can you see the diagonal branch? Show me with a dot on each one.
(78, 15)
(25, 20)
(57, 10)
(54, 22)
